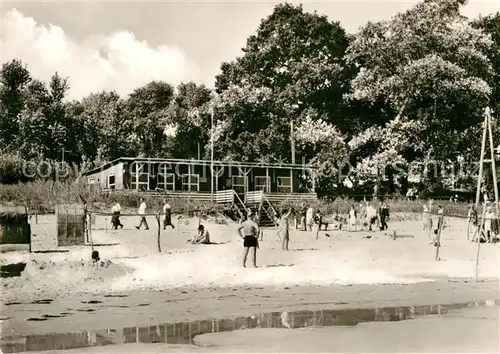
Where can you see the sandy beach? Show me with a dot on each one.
(140, 287)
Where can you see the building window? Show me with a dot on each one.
(190, 183)
(140, 176)
(111, 182)
(262, 183)
(91, 180)
(284, 185)
(165, 180)
(240, 184)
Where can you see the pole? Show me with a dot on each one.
(478, 240)
(292, 141)
(212, 155)
(158, 234)
(480, 176)
(493, 164)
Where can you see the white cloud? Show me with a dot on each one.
(117, 61)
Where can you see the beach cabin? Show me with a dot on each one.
(194, 179)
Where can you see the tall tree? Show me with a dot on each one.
(491, 26)
(146, 108)
(189, 116)
(293, 63)
(429, 65)
(105, 125)
(14, 77)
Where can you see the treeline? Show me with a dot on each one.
(373, 109)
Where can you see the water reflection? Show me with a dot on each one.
(184, 332)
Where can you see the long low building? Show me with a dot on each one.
(192, 177)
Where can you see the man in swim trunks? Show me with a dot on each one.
(249, 232)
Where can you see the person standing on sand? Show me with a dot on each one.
(352, 219)
(303, 214)
(142, 215)
(488, 221)
(249, 232)
(309, 218)
(427, 221)
(115, 219)
(167, 215)
(285, 229)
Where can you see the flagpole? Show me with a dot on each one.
(212, 154)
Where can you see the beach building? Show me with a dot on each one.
(247, 183)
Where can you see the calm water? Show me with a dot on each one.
(184, 332)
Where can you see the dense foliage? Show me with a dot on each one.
(372, 110)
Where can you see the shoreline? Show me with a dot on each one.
(144, 308)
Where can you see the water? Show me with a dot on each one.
(184, 332)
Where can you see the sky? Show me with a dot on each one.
(121, 45)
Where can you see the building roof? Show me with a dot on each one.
(199, 162)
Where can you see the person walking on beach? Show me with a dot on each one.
(352, 219)
(384, 216)
(249, 232)
(115, 219)
(319, 219)
(167, 215)
(142, 215)
(284, 229)
(371, 216)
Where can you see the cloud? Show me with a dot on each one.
(118, 61)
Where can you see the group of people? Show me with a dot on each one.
(141, 212)
(491, 226)
(367, 215)
(202, 237)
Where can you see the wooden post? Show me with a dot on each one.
(481, 160)
(479, 241)
(394, 235)
(106, 223)
(90, 232)
(159, 228)
(493, 164)
(36, 217)
(438, 239)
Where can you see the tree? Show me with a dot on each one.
(105, 126)
(146, 109)
(189, 116)
(428, 65)
(14, 77)
(293, 63)
(491, 26)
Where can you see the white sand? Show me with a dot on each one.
(344, 258)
